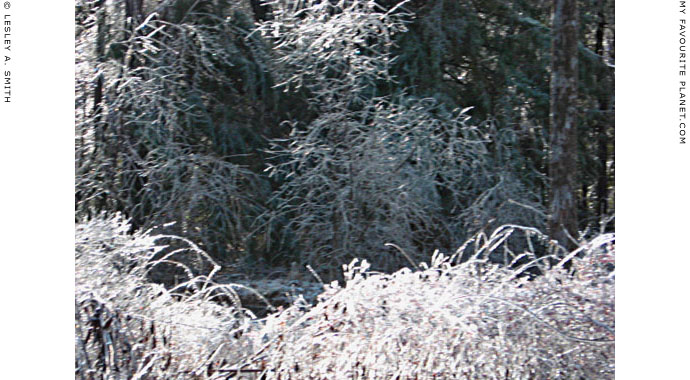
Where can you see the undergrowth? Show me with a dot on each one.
(456, 317)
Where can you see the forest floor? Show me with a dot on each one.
(279, 285)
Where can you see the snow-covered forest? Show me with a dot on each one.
(344, 189)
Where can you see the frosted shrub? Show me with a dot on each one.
(446, 319)
(359, 179)
(128, 327)
(472, 320)
(505, 188)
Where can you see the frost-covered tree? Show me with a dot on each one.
(173, 101)
(359, 109)
(374, 169)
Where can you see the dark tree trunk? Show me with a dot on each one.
(133, 17)
(602, 138)
(134, 9)
(99, 131)
(262, 12)
(563, 118)
(99, 125)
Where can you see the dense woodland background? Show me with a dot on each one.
(443, 168)
(313, 132)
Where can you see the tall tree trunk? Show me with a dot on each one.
(563, 118)
(602, 138)
(99, 124)
(99, 131)
(126, 136)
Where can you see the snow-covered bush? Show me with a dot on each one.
(446, 319)
(473, 320)
(127, 327)
(386, 173)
